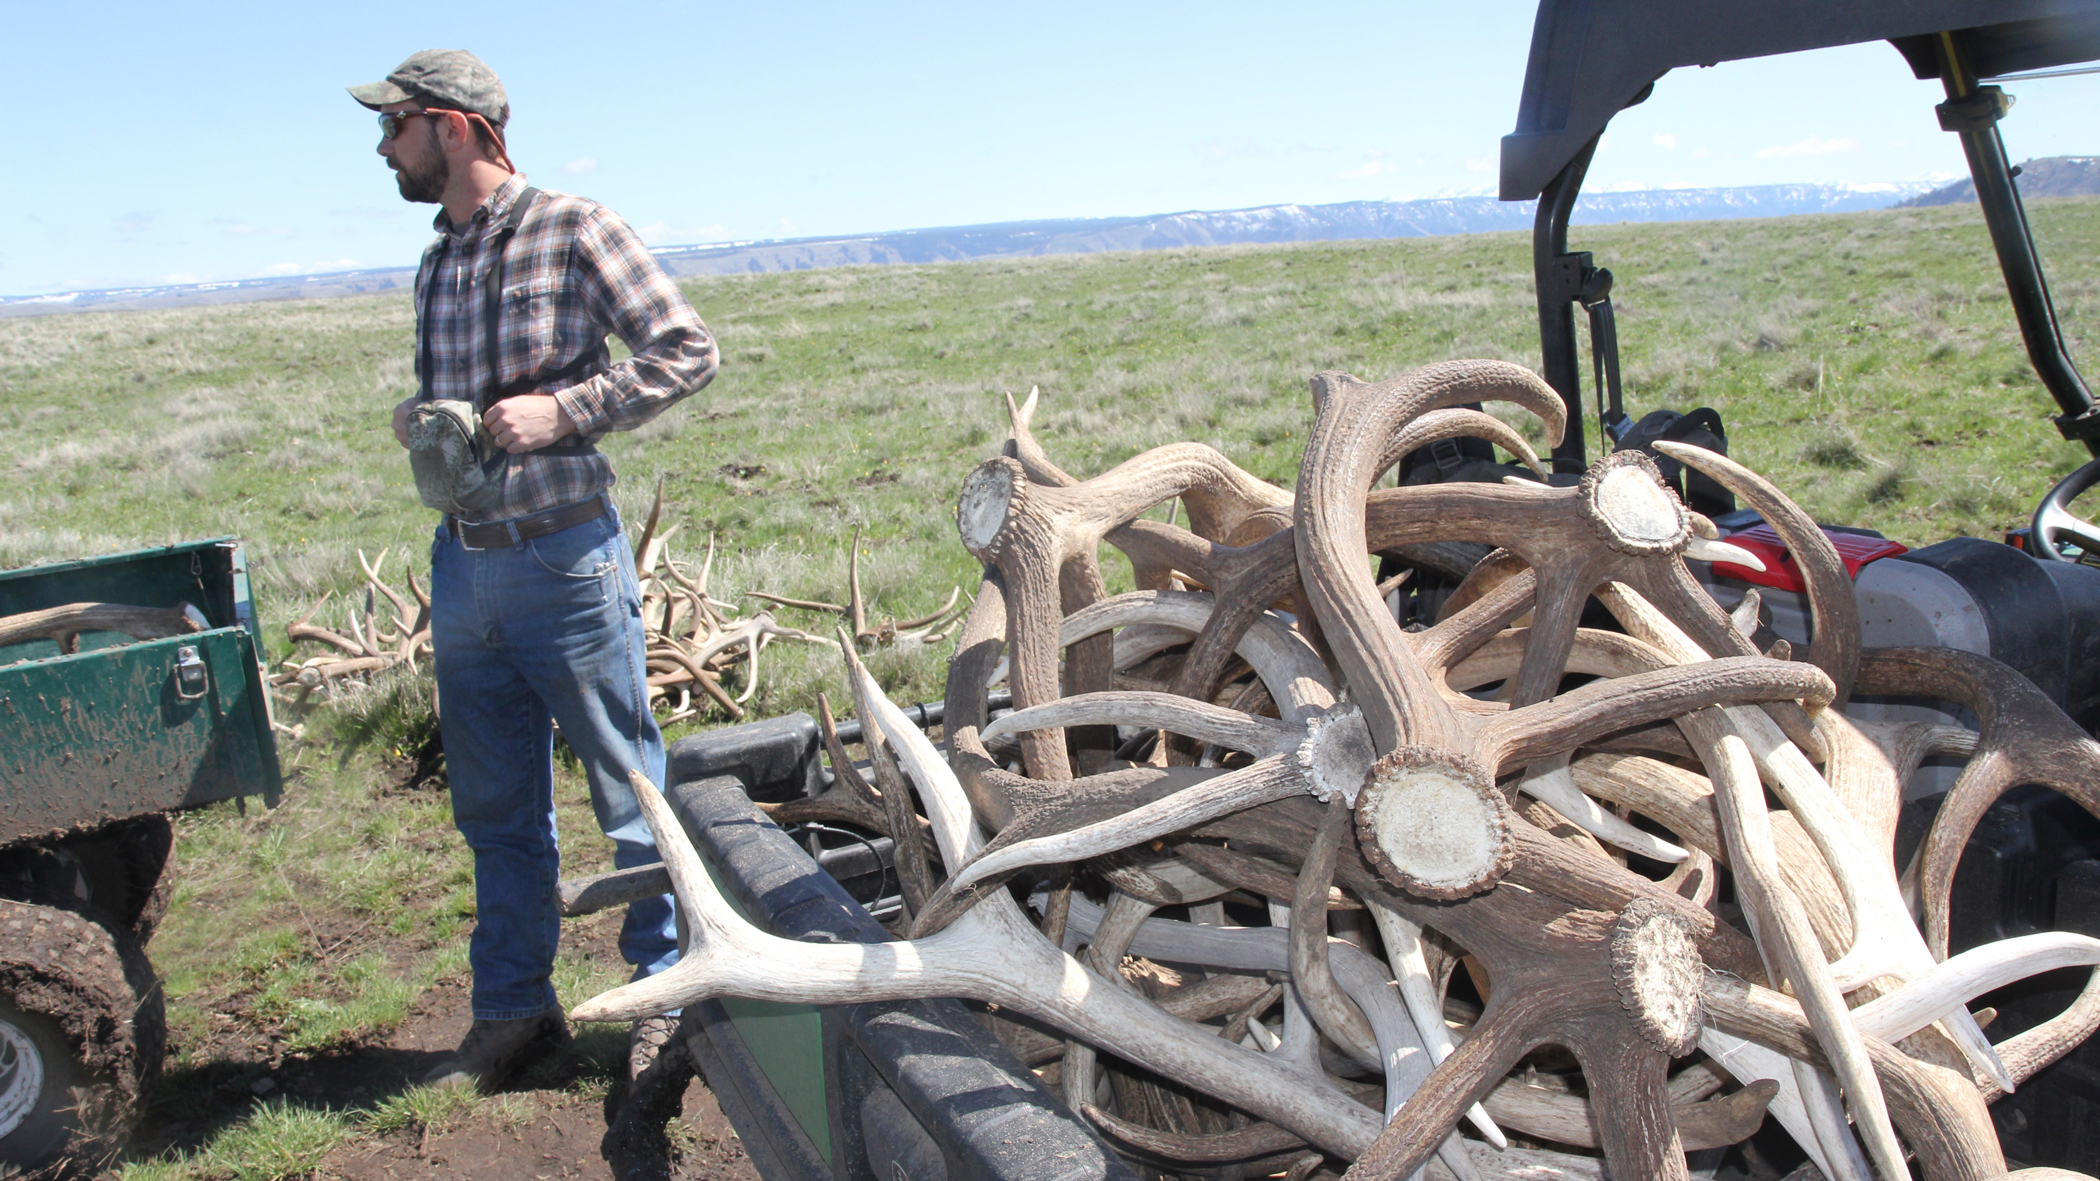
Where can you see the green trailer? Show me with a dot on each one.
(131, 686)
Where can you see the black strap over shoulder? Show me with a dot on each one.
(492, 323)
(492, 294)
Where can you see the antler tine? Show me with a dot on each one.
(1031, 976)
(1942, 1114)
(658, 552)
(1244, 580)
(1044, 538)
(1158, 711)
(915, 879)
(954, 595)
(1339, 465)
(1217, 505)
(1295, 677)
(1458, 422)
(656, 509)
(1312, 974)
(1599, 708)
(365, 647)
(1883, 939)
(756, 646)
(402, 615)
(1835, 647)
(1022, 446)
(1268, 779)
(856, 611)
(1786, 941)
(1104, 953)
(844, 771)
(799, 604)
(1358, 978)
(2025, 738)
(306, 629)
(965, 703)
(1962, 978)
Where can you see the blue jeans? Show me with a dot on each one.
(550, 629)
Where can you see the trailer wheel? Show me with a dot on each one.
(82, 1031)
(118, 873)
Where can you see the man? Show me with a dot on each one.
(535, 611)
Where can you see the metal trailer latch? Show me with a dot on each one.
(190, 679)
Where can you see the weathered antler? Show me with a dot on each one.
(2025, 739)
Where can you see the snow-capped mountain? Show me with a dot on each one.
(1269, 223)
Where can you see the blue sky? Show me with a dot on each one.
(166, 143)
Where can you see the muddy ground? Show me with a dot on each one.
(546, 1122)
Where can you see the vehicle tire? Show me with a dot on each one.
(147, 844)
(117, 873)
(82, 1031)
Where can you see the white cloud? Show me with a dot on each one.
(1482, 163)
(1666, 141)
(580, 166)
(315, 268)
(134, 223)
(786, 226)
(1814, 145)
(1375, 164)
(662, 233)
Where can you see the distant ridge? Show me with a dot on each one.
(2050, 176)
(1430, 217)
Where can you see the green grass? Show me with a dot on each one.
(1868, 363)
(1839, 348)
(861, 395)
(280, 1140)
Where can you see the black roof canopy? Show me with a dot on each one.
(1591, 58)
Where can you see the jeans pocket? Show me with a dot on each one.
(583, 553)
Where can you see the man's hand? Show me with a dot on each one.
(527, 422)
(406, 407)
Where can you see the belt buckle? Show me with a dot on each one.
(459, 533)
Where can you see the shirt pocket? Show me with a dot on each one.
(530, 323)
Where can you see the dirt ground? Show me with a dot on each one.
(546, 1122)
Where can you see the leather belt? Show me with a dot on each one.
(503, 534)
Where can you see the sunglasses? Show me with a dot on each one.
(391, 125)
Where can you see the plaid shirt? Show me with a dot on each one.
(575, 273)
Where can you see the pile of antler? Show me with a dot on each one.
(1301, 822)
(693, 638)
(369, 647)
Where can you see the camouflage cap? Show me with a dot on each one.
(451, 78)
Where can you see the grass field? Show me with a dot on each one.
(1868, 363)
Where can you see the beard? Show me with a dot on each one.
(423, 183)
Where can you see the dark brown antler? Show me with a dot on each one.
(2025, 739)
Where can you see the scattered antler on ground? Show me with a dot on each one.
(370, 646)
(1336, 890)
(694, 639)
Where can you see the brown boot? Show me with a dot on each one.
(649, 1038)
(492, 1049)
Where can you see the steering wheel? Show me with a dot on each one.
(2054, 522)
